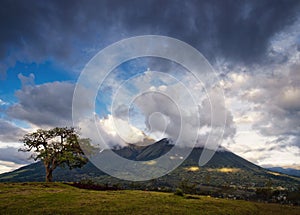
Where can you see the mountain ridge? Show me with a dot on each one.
(288, 171)
(225, 168)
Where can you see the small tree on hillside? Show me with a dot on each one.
(56, 147)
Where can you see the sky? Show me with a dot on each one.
(253, 47)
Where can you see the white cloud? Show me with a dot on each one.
(265, 102)
(289, 98)
(112, 132)
(170, 105)
(26, 81)
(266, 107)
(159, 105)
(287, 156)
(2, 102)
(7, 166)
(128, 133)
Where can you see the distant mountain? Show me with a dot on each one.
(224, 169)
(288, 171)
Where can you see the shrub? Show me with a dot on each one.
(179, 192)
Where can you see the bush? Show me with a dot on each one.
(179, 192)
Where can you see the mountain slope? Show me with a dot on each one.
(288, 171)
(145, 153)
(225, 168)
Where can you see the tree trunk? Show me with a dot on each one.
(48, 173)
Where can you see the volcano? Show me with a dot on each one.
(225, 168)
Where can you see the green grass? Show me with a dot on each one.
(58, 198)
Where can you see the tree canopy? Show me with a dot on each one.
(56, 147)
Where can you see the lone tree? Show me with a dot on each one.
(56, 147)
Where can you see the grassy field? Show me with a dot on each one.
(58, 198)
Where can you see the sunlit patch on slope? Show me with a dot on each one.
(225, 170)
(193, 168)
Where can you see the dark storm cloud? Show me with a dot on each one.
(71, 32)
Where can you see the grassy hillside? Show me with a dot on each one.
(58, 198)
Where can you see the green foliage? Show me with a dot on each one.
(187, 187)
(179, 192)
(264, 193)
(56, 147)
